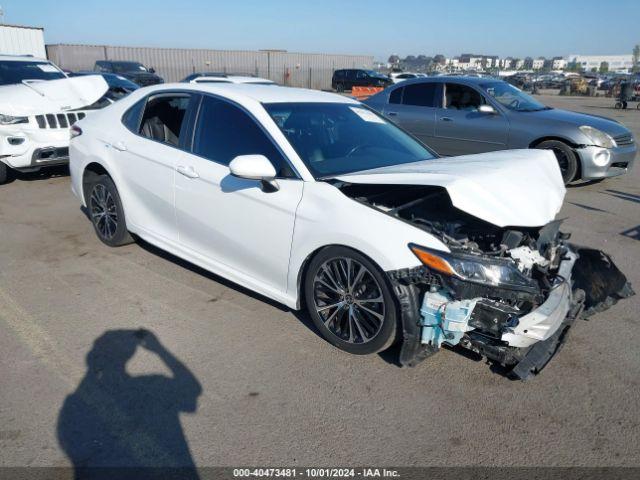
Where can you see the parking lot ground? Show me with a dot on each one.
(272, 392)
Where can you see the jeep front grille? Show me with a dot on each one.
(59, 120)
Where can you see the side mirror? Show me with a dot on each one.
(152, 70)
(488, 109)
(255, 167)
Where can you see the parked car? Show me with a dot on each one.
(225, 78)
(313, 200)
(38, 104)
(134, 71)
(461, 115)
(397, 77)
(119, 86)
(346, 79)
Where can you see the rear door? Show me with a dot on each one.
(148, 153)
(461, 129)
(413, 107)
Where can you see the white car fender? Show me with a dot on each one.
(380, 237)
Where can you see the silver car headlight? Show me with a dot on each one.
(598, 137)
(11, 120)
(496, 272)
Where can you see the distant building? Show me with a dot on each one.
(537, 63)
(617, 63)
(558, 63)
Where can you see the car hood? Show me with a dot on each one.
(607, 125)
(35, 97)
(521, 188)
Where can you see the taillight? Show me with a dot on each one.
(75, 131)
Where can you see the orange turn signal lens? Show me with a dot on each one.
(432, 261)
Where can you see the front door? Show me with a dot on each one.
(242, 229)
(461, 129)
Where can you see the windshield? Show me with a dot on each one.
(121, 67)
(16, 71)
(512, 98)
(337, 138)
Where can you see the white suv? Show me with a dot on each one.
(38, 104)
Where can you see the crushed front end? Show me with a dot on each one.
(507, 293)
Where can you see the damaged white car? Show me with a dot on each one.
(38, 104)
(314, 200)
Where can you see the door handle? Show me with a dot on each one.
(392, 114)
(446, 119)
(187, 171)
(120, 146)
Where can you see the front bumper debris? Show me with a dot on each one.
(592, 284)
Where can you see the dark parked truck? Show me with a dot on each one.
(134, 71)
(463, 115)
(353, 77)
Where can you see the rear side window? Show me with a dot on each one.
(131, 118)
(339, 73)
(224, 131)
(395, 96)
(163, 118)
(420, 94)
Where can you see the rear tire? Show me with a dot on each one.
(106, 212)
(4, 173)
(350, 301)
(567, 158)
(339, 88)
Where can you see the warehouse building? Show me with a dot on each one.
(308, 70)
(615, 63)
(21, 40)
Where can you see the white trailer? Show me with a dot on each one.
(21, 40)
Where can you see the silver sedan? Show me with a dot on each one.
(464, 115)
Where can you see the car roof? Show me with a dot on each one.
(232, 79)
(450, 78)
(258, 93)
(22, 58)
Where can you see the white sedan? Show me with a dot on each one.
(314, 200)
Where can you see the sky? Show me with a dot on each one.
(374, 27)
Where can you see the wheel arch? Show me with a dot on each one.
(557, 138)
(90, 172)
(302, 271)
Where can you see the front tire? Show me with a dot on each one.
(350, 301)
(106, 212)
(567, 158)
(4, 173)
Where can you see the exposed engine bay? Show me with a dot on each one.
(506, 293)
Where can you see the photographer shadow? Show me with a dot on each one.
(115, 425)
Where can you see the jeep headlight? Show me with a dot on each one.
(496, 272)
(11, 120)
(598, 137)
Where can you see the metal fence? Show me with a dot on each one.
(308, 70)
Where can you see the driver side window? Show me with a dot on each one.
(462, 97)
(223, 131)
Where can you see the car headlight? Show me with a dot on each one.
(497, 272)
(598, 137)
(11, 120)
